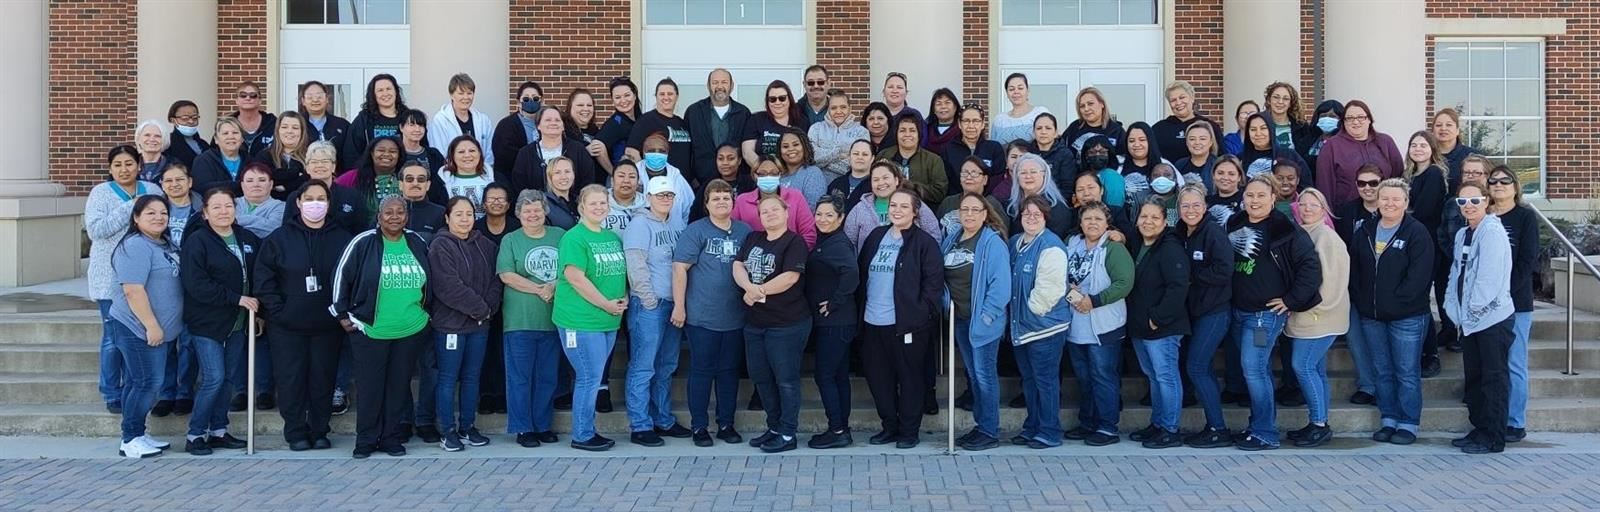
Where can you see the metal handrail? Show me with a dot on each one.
(1573, 257)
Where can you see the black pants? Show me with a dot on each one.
(304, 365)
(493, 384)
(894, 371)
(383, 382)
(1488, 380)
(1447, 333)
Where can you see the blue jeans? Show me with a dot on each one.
(462, 365)
(188, 368)
(983, 378)
(169, 378)
(1209, 331)
(587, 350)
(1098, 368)
(1396, 349)
(714, 361)
(833, 372)
(1233, 372)
(1517, 361)
(1311, 369)
(1256, 333)
(532, 358)
(111, 364)
(774, 354)
(145, 367)
(1159, 360)
(653, 349)
(213, 358)
(1361, 355)
(263, 368)
(1040, 364)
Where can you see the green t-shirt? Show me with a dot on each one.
(598, 254)
(534, 259)
(399, 312)
(881, 206)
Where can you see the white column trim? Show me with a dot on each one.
(1509, 27)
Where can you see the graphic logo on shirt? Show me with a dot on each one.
(616, 221)
(724, 249)
(664, 239)
(1247, 243)
(760, 264)
(608, 260)
(1259, 167)
(884, 260)
(675, 135)
(1135, 183)
(1079, 264)
(958, 257)
(540, 263)
(1221, 213)
(400, 272)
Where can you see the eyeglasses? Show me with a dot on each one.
(249, 95)
(971, 174)
(187, 118)
(414, 179)
(319, 161)
(1367, 183)
(1348, 119)
(974, 210)
(816, 83)
(175, 181)
(1033, 215)
(1502, 181)
(1475, 201)
(777, 99)
(1191, 206)
(494, 200)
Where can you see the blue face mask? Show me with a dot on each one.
(1327, 124)
(768, 184)
(655, 160)
(1162, 184)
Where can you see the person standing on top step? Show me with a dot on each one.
(1168, 135)
(1017, 123)
(716, 120)
(1094, 118)
(379, 118)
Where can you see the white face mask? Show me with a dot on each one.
(188, 131)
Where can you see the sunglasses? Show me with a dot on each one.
(414, 179)
(1502, 181)
(249, 95)
(1475, 201)
(777, 99)
(1367, 183)
(816, 83)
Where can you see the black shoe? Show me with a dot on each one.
(1145, 434)
(1146, 401)
(341, 404)
(594, 444)
(299, 445)
(907, 443)
(1099, 438)
(1296, 435)
(755, 402)
(729, 435)
(428, 433)
(1476, 448)
(1514, 434)
(1209, 438)
(1036, 444)
(703, 439)
(647, 438)
(1464, 440)
(451, 442)
(484, 408)
(1363, 398)
(1021, 440)
(406, 433)
(183, 407)
(1383, 435)
(226, 441)
(675, 431)
(1254, 444)
(162, 409)
(930, 404)
(266, 401)
(1316, 436)
(1453, 346)
(238, 403)
(472, 437)
(883, 437)
(1430, 367)
(762, 439)
(964, 402)
(395, 450)
(1164, 440)
(1403, 437)
(967, 437)
(362, 452)
(1239, 436)
(1020, 402)
(1189, 400)
(779, 445)
(114, 407)
(1077, 433)
(321, 443)
(829, 440)
(563, 402)
(547, 437)
(980, 443)
(198, 447)
(1290, 397)
(1243, 399)
(528, 440)
(602, 402)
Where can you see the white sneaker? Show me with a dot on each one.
(153, 442)
(136, 449)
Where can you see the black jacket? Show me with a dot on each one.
(1294, 258)
(832, 277)
(424, 217)
(1427, 201)
(288, 257)
(465, 289)
(267, 131)
(1210, 267)
(529, 172)
(956, 153)
(360, 134)
(704, 149)
(1396, 285)
(1078, 134)
(213, 278)
(1170, 136)
(179, 149)
(1160, 288)
(918, 277)
(360, 268)
(1348, 215)
(209, 171)
(509, 138)
(285, 177)
(346, 208)
(560, 212)
(1063, 162)
(332, 131)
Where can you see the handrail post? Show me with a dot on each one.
(1572, 267)
(1573, 256)
(250, 389)
(950, 386)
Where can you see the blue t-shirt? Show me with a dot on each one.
(1115, 190)
(880, 281)
(233, 166)
(657, 239)
(711, 299)
(141, 260)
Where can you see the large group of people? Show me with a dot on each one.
(499, 262)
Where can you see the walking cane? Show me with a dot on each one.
(950, 386)
(250, 389)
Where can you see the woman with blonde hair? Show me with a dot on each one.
(1314, 330)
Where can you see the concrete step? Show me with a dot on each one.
(82, 327)
(1551, 415)
(49, 358)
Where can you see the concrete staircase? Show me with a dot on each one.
(49, 361)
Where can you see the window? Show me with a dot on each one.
(347, 12)
(722, 12)
(1498, 86)
(1077, 12)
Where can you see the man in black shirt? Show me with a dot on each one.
(713, 121)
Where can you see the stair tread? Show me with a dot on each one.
(68, 346)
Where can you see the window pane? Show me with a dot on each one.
(1101, 12)
(753, 96)
(1488, 60)
(1451, 94)
(385, 12)
(1523, 98)
(783, 12)
(1522, 138)
(1019, 12)
(1488, 98)
(1486, 136)
(703, 12)
(1138, 12)
(305, 11)
(1527, 170)
(1522, 60)
(1058, 12)
(669, 12)
(1056, 97)
(1127, 101)
(1450, 60)
(337, 100)
(744, 12)
(344, 11)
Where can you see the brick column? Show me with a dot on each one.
(93, 98)
(976, 71)
(563, 44)
(1197, 53)
(241, 51)
(844, 45)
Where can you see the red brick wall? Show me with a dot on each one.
(1197, 53)
(975, 75)
(564, 44)
(1570, 86)
(844, 45)
(1308, 48)
(241, 51)
(93, 92)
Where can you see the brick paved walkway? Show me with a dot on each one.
(849, 482)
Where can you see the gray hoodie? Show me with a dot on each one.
(1478, 295)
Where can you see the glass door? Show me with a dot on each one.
(347, 86)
